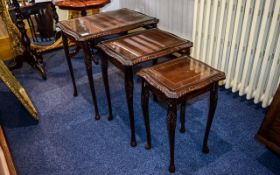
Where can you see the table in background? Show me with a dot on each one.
(80, 5)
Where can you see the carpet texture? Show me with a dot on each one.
(68, 140)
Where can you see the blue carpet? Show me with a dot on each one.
(68, 140)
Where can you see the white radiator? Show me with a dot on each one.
(241, 38)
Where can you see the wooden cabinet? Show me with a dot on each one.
(269, 133)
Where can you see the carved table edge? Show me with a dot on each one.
(79, 38)
(145, 74)
(127, 62)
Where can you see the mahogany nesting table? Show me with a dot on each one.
(128, 51)
(85, 30)
(175, 82)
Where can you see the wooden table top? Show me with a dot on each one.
(80, 4)
(143, 46)
(106, 23)
(180, 76)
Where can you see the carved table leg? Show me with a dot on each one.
(182, 117)
(129, 97)
(212, 107)
(171, 126)
(69, 62)
(145, 108)
(88, 64)
(104, 67)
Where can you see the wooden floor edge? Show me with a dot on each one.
(7, 153)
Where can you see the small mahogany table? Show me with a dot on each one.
(128, 51)
(175, 82)
(86, 30)
(80, 5)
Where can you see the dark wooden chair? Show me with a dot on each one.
(41, 18)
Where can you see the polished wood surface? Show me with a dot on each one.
(144, 46)
(7, 153)
(269, 132)
(127, 51)
(175, 82)
(181, 76)
(87, 31)
(80, 4)
(102, 24)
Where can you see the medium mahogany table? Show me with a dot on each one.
(128, 51)
(90, 29)
(175, 82)
(80, 5)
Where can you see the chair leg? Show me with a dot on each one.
(212, 107)
(104, 67)
(171, 126)
(182, 117)
(145, 109)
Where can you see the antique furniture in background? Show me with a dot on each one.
(175, 82)
(15, 87)
(12, 30)
(41, 19)
(41, 14)
(128, 51)
(269, 132)
(84, 31)
(80, 5)
(7, 166)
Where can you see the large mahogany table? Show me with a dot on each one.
(86, 30)
(129, 51)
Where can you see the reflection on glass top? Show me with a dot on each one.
(181, 73)
(104, 22)
(144, 43)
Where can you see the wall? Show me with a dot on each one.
(175, 16)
